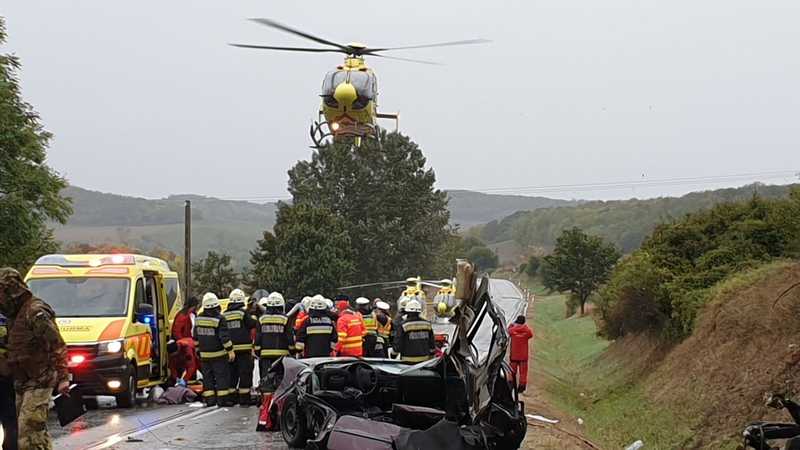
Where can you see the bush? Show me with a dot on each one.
(662, 286)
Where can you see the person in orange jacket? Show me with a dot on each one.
(351, 330)
(520, 335)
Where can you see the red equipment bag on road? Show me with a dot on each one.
(264, 420)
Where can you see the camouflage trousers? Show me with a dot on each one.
(32, 405)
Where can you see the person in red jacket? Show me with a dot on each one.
(183, 362)
(182, 325)
(351, 330)
(520, 335)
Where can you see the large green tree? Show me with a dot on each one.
(580, 263)
(29, 189)
(395, 218)
(214, 273)
(308, 252)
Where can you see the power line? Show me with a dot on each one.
(592, 187)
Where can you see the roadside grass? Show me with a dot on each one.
(599, 390)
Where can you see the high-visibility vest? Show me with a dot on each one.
(384, 331)
(370, 324)
(351, 330)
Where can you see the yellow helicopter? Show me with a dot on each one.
(349, 107)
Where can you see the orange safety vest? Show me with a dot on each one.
(384, 331)
(351, 329)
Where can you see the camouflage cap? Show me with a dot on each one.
(12, 287)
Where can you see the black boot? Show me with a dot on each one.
(211, 401)
(244, 400)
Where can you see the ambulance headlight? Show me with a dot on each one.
(111, 347)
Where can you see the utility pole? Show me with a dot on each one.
(187, 248)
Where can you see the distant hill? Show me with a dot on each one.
(228, 226)
(469, 208)
(625, 222)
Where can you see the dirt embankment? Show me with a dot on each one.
(745, 343)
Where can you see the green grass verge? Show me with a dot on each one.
(615, 411)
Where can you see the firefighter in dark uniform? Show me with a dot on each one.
(240, 325)
(214, 345)
(8, 407)
(370, 327)
(274, 335)
(414, 337)
(317, 336)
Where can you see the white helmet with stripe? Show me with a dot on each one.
(413, 306)
(210, 300)
(275, 299)
(237, 296)
(318, 303)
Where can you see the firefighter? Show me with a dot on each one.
(317, 336)
(384, 328)
(213, 342)
(241, 324)
(414, 337)
(351, 331)
(275, 335)
(370, 338)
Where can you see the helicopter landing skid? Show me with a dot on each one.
(323, 133)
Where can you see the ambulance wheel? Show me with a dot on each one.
(293, 423)
(127, 398)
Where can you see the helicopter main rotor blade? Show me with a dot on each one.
(289, 49)
(418, 61)
(439, 44)
(273, 24)
(381, 283)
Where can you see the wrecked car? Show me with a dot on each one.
(461, 400)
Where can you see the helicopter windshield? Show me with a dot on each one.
(365, 82)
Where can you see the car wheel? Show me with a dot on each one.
(293, 423)
(127, 398)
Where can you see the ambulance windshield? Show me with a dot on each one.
(82, 296)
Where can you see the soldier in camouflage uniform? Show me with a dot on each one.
(8, 407)
(37, 357)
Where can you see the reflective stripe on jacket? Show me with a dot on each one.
(351, 330)
(317, 335)
(211, 337)
(239, 326)
(274, 336)
(414, 339)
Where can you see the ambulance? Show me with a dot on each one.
(115, 314)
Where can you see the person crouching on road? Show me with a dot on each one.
(414, 337)
(370, 339)
(383, 328)
(317, 335)
(520, 335)
(183, 362)
(351, 331)
(240, 325)
(214, 344)
(37, 357)
(274, 335)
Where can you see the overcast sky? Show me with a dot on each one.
(146, 98)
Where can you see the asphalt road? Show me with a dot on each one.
(157, 427)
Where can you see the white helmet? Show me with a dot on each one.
(328, 303)
(210, 301)
(362, 301)
(383, 306)
(237, 296)
(413, 306)
(306, 302)
(318, 303)
(275, 299)
(402, 302)
(262, 302)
